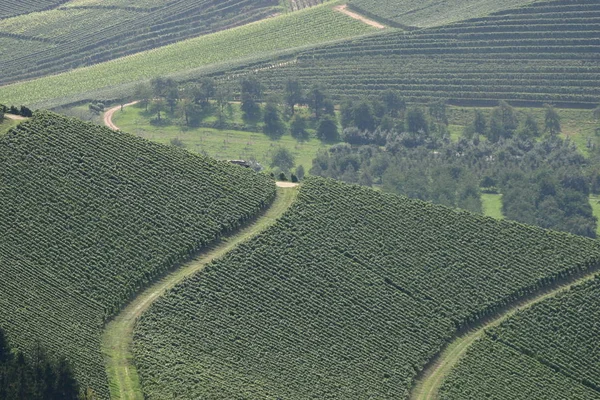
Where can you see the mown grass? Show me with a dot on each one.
(308, 27)
(220, 144)
(6, 124)
(492, 205)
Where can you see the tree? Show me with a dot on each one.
(67, 387)
(551, 121)
(156, 107)
(528, 128)
(347, 113)
(316, 101)
(363, 117)
(294, 94)
(395, 105)
(300, 172)
(5, 353)
(298, 128)
(207, 90)
(416, 121)
(479, 123)
(327, 129)
(437, 111)
(250, 96)
(283, 159)
(274, 126)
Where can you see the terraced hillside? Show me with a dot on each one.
(190, 58)
(82, 33)
(429, 13)
(90, 217)
(348, 296)
(546, 352)
(546, 52)
(11, 8)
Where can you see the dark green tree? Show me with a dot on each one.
(298, 128)
(437, 111)
(327, 129)
(363, 117)
(416, 122)
(294, 94)
(273, 125)
(316, 101)
(551, 121)
(250, 97)
(283, 159)
(347, 113)
(528, 128)
(395, 105)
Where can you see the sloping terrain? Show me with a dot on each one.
(91, 216)
(429, 13)
(86, 33)
(546, 52)
(548, 351)
(115, 79)
(11, 8)
(348, 296)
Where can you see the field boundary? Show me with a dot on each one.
(344, 10)
(430, 380)
(117, 338)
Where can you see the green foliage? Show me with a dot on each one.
(327, 129)
(283, 159)
(552, 121)
(298, 128)
(312, 307)
(91, 216)
(546, 351)
(416, 121)
(273, 125)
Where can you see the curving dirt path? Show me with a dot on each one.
(14, 117)
(432, 378)
(344, 10)
(118, 334)
(111, 111)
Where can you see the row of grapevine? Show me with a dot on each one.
(348, 296)
(549, 54)
(429, 13)
(547, 351)
(10, 8)
(302, 28)
(112, 32)
(90, 216)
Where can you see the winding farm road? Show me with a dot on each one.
(108, 115)
(118, 334)
(430, 382)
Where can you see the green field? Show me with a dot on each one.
(492, 205)
(90, 217)
(312, 307)
(303, 28)
(595, 202)
(6, 124)
(220, 144)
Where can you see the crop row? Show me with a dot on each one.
(555, 61)
(545, 352)
(91, 216)
(129, 32)
(301, 28)
(348, 296)
(9, 8)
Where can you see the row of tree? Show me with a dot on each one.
(37, 375)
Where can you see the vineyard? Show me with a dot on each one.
(10, 8)
(547, 52)
(303, 28)
(543, 352)
(430, 13)
(91, 216)
(348, 296)
(83, 35)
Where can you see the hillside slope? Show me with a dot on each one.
(82, 33)
(193, 57)
(90, 217)
(544, 352)
(546, 52)
(429, 13)
(348, 296)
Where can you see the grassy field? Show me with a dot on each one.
(595, 202)
(492, 205)
(220, 144)
(303, 28)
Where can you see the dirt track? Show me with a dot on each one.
(344, 10)
(14, 117)
(109, 114)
